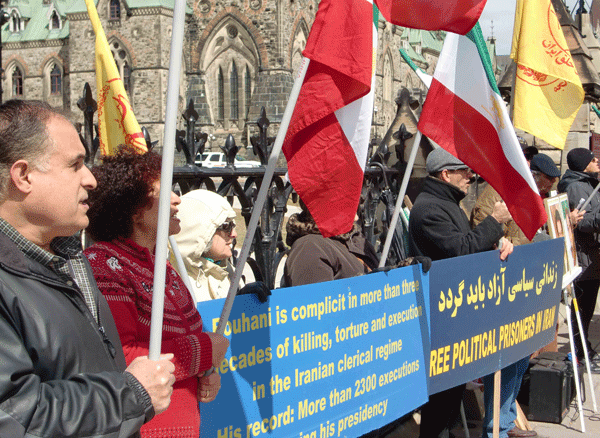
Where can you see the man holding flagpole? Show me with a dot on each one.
(62, 369)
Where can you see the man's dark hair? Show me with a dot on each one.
(125, 183)
(24, 135)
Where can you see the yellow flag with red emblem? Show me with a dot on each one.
(548, 91)
(117, 124)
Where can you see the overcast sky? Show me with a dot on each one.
(502, 13)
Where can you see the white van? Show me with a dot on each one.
(217, 159)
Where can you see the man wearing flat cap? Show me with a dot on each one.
(440, 229)
(579, 182)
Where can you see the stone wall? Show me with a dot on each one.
(34, 60)
(264, 36)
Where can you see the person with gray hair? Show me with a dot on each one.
(439, 228)
(62, 369)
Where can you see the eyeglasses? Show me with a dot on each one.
(227, 227)
(464, 171)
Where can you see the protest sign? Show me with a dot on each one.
(333, 359)
(341, 358)
(485, 314)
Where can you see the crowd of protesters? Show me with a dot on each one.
(439, 228)
(76, 324)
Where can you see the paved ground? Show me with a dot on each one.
(570, 426)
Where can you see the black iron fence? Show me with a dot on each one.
(378, 198)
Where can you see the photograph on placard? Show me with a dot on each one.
(559, 225)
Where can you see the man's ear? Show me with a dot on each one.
(20, 175)
(444, 175)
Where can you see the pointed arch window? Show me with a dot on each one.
(234, 92)
(54, 21)
(55, 80)
(127, 78)
(123, 62)
(17, 82)
(388, 78)
(221, 94)
(114, 12)
(225, 57)
(247, 89)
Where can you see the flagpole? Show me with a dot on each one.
(426, 79)
(398, 208)
(181, 266)
(511, 114)
(262, 196)
(166, 180)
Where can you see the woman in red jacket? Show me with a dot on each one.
(123, 220)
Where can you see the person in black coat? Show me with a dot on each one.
(579, 182)
(439, 229)
(62, 368)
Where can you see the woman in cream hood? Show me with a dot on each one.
(206, 242)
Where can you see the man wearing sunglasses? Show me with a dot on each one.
(440, 229)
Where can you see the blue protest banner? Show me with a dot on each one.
(485, 314)
(334, 359)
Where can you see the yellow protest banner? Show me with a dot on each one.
(117, 124)
(548, 91)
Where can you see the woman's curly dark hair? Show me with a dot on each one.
(124, 185)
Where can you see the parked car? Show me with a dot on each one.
(217, 159)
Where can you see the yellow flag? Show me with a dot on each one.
(548, 91)
(116, 122)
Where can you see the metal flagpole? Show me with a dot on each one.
(585, 351)
(426, 79)
(166, 180)
(398, 208)
(181, 266)
(574, 360)
(262, 196)
(589, 199)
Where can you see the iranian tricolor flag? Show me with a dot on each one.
(327, 142)
(465, 114)
(457, 16)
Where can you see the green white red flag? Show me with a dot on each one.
(327, 141)
(458, 16)
(465, 114)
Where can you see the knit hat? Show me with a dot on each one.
(579, 158)
(543, 163)
(440, 159)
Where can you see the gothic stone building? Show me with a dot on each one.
(239, 56)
